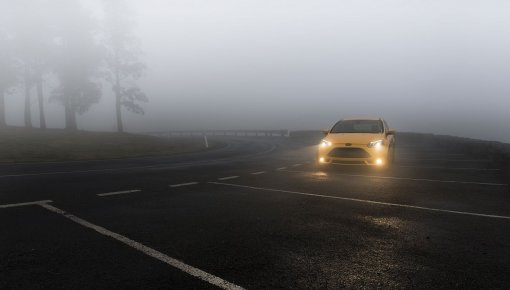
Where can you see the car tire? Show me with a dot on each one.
(390, 160)
(320, 166)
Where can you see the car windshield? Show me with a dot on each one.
(358, 126)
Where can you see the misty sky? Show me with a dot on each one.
(439, 66)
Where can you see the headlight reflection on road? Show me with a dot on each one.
(320, 174)
(386, 222)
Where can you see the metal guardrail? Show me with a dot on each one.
(251, 133)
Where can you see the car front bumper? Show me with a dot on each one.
(352, 155)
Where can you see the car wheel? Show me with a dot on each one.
(391, 157)
(392, 160)
(320, 166)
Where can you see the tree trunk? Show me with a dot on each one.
(118, 109)
(28, 113)
(120, 127)
(2, 109)
(40, 98)
(70, 114)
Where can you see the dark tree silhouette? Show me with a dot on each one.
(32, 37)
(22, 39)
(38, 80)
(7, 73)
(123, 65)
(43, 41)
(77, 62)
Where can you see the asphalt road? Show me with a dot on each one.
(256, 214)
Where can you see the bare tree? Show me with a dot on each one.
(44, 35)
(7, 74)
(77, 62)
(38, 79)
(22, 38)
(123, 65)
(32, 37)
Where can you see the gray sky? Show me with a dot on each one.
(439, 66)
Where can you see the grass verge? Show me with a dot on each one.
(19, 145)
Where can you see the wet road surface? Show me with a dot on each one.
(257, 214)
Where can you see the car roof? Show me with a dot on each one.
(359, 119)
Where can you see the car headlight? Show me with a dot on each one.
(376, 144)
(325, 143)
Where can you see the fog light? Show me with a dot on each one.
(321, 160)
(378, 161)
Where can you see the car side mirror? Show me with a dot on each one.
(325, 132)
(391, 132)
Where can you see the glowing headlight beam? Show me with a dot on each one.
(376, 144)
(325, 143)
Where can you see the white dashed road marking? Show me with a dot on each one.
(296, 165)
(281, 168)
(367, 201)
(228, 177)
(24, 203)
(258, 173)
(209, 278)
(183, 184)
(413, 179)
(118, 192)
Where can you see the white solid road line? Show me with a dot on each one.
(183, 184)
(445, 160)
(412, 179)
(73, 172)
(118, 192)
(450, 168)
(430, 153)
(258, 172)
(211, 279)
(228, 177)
(366, 201)
(155, 167)
(37, 202)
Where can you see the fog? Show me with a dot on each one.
(425, 66)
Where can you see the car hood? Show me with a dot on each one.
(353, 138)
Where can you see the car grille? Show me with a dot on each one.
(349, 153)
(344, 162)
